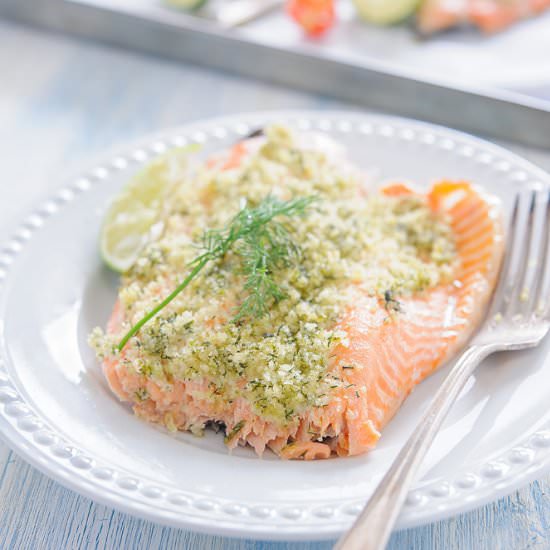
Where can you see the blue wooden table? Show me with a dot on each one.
(63, 101)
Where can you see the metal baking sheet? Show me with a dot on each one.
(479, 84)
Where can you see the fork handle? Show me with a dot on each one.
(373, 527)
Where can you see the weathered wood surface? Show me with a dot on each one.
(63, 101)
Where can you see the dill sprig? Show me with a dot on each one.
(263, 244)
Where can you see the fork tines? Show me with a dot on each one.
(525, 276)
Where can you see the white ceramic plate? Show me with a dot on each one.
(57, 412)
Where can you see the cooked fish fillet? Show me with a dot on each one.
(488, 15)
(385, 345)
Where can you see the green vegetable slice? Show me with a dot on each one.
(385, 12)
(188, 5)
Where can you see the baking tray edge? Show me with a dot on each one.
(504, 115)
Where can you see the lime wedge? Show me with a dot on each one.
(385, 12)
(137, 210)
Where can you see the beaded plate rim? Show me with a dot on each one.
(29, 435)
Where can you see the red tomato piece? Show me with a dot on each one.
(314, 16)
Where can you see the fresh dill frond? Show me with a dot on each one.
(262, 251)
(263, 245)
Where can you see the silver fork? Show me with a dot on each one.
(518, 318)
